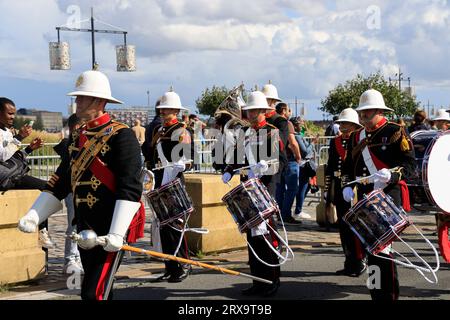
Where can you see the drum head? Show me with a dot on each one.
(439, 172)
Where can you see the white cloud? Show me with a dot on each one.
(304, 47)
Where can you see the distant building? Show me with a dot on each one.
(51, 121)
(128, 115)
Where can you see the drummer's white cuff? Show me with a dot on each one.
(124, 212)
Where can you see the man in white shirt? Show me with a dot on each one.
(9, 144)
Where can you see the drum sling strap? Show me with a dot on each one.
(374, 164)
(88, 159)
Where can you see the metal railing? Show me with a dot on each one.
(44, 161)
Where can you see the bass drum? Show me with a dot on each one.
(436, 172)
(422, 140)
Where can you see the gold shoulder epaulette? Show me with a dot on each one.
(120, 123)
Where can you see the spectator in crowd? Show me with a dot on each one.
(333, 129)
(146, 146)
(307, 154)
(13, 164)
(9, 148)
(419, 122)
(195, 128)
(442, 120)
(72, 260)
(431, 124)
(288, 186)
(139, 131)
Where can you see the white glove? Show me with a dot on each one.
(348, 194)
(226, 177)
(179, 166)
(262, 166)
(44, 206)
(113, 242)
(383, 176)
(29, 222)
(325, 194)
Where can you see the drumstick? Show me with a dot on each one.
(171, 165)
(254, 165)
(360, 179)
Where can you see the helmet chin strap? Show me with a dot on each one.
(369, 121)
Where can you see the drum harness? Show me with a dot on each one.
(262, 228)
(409, 264)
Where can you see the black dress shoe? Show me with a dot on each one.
(344, 272)
(360, 271)
(271, 290)
(163, 278)
(180, 277)
(252, 291)
(292, 221)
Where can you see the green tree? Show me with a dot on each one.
(347, 95)
(210, 100)
(38, 124)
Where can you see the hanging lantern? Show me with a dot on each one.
(126, 58)
(59, 56)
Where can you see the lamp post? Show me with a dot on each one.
(60, 55)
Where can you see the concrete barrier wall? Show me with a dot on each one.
(206, 191)
(21, 257)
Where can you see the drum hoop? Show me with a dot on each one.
(182, 214)
(164, 187)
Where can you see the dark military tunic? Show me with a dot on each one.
(390, 147)
(172, 136)
(351, 245)
(94, 202)
(266, 142)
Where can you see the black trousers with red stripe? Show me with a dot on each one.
(97, 265)
(170, 238)
(389, 289)
(266, 254)
(351, 245)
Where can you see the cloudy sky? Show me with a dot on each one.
(305, 47)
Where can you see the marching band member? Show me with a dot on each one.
(282, 124)
(442, 120)
(167, 140)
(261, 135)
(354, 264)
(103, 172)
(228, 117)
(382, 149)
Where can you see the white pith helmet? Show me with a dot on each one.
(442, 115)
(170, 100)
(257, 100)
(349, 115)
(271, 91)
(94, 83)
(372, 99)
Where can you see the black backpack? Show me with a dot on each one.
(12, 170)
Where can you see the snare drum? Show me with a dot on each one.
(170, 202)
(250, 204)
(374, 220)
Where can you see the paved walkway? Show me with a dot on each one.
(315, 250)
